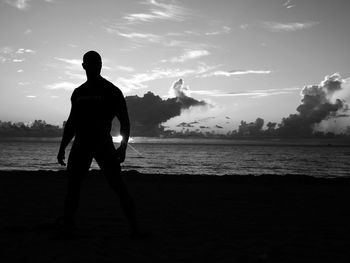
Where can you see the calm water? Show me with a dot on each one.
(195, 157)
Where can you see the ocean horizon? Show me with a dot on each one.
(325, 158)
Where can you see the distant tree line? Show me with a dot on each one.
(38, 128)
(254, 130)
(245, 130)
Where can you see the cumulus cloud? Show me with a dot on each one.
(288, 27)
(319, 103)
(182, 93)
(147, 113)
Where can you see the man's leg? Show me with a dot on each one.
(79, 162)
(112, 171)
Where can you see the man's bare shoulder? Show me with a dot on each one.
(112, 88)
(77, 90)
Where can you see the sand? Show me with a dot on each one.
(192, 219)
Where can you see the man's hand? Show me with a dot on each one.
(61, 157)
(120, 153)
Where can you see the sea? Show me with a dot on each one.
(212, 157)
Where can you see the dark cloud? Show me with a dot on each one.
(218, 126)
(319, 102)
(252, 128)
(181, 93)
(194, 122)
(185, 125)
(147, 113)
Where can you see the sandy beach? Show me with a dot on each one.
(192, 219)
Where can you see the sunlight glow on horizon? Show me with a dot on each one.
(119, 138)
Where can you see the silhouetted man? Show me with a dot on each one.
(94, 105)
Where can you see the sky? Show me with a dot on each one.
(245, 58)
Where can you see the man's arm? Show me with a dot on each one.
(123, 117)
(68, 134)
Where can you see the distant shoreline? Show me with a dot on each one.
(323, 142)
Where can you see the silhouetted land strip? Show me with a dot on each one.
(193, 219)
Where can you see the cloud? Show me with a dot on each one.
(126, 68)
(225, 30)
(19, 4)
(147, 113)
(236, 73)
(23, 4)
(319, 103)
(182, 93)
(6, 50)
(73, 68)
(140, 36)
(10, 54)
(21, 83)
(185, 125)
(16, 60)
(244, 26)
(24, 50)
(141, 39)
(252, 94)
(65, 85)
(31, 96)
(137, 81)
(28, 31)
(75, 75)
(189, 55)
(288, 4)
(288, 27)
(73, 63)
(158, 11)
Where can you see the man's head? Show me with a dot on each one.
(92, 63)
